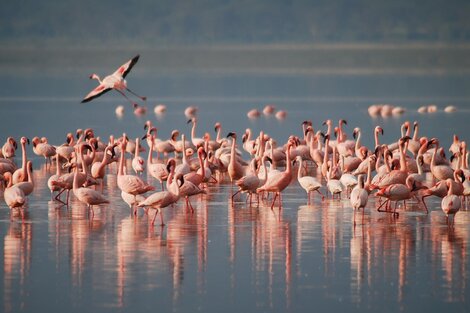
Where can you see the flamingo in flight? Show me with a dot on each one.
(114, 81)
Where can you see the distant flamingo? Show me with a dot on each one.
(114, 81)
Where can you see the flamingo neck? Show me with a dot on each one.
(358, 140)
(57, 164)
(288, 165)
(185, 157)
(403, 165)
(217, 138)
(121, 161)
(30, 174)
(369, 172)
(415, 134)
(376, 137)
(299, 172)
(75, 180)
(152, 144)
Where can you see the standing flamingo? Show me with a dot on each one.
(308, 183)
(451, 203)
(114, 81)
(21, 174)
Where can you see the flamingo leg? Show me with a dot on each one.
(378, 209)
(154, 217)
(235, 194)
(124, 95)
(142, 98)
(274, 200)
(161, 218)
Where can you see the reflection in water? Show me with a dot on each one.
(16, 264)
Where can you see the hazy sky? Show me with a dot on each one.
(150, 22)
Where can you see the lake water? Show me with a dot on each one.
(224, 257)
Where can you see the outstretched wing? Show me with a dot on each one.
(124, 69)
(95, 93)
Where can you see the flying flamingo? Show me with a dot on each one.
(114, 81)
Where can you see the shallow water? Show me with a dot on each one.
(231, 257)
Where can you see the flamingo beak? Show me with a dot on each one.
(324, 123)
(354, 134)
(27, 140)
(344, 122)
(145, 136)
(230, 134)
(189, 121)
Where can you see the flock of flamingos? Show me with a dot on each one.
(409, 169)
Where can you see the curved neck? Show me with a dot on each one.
(30, 174)
(75, 179)
(358, 141)
(403, 165)
(369, 172)
(415, 134)
(288, 165)
(137, 144)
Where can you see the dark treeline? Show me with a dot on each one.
(155, 22)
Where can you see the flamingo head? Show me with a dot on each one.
(379, 129)
(24, 140)
(217, 126)
(94, 76)
(356, 132)
(35, 141)
(232, 135)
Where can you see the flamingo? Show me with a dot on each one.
(451, 203)
(440, 172)
(235, 169)
(130, 183)
(13, 195)
(359, 196)
(87, 195)
(398, 192)
(278, 182)
(27, 186)
(308, 183)
(42, 148)
(157, 170)
(114, 81)
(197, 142)
(9, 148)
(248, 183)
(138, 163)
(54, 178)
(21, 174)
(163, 199)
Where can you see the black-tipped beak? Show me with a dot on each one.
(189, 121)
(382, 131)
(269, 159)
(77, 135)
(452, 157)
(324, 123)
(354, 134)
(344, 122)
(230, 134)
(181, 180)
(90, 77)
(145, 136)
(462, 175)
(168, 167)
(27, 140)
(146, 126)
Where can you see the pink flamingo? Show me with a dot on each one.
(451, 203)
(279, 181)
(114, 81)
